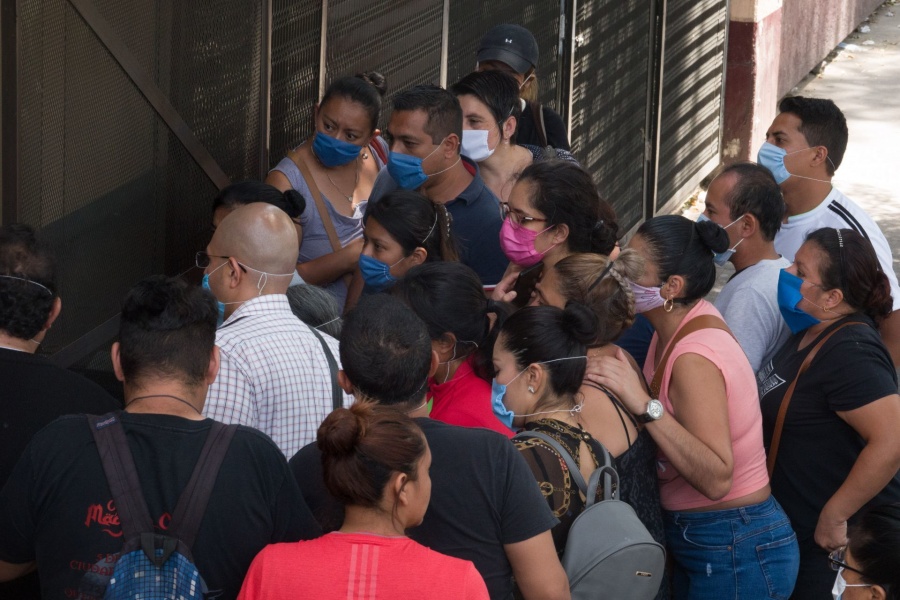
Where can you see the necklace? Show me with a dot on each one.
(133, 400)
(349, 197)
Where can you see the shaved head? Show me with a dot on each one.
(259, 236)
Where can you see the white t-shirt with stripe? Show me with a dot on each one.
(838, 211)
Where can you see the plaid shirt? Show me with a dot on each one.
(273, 374)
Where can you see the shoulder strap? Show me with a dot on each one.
(575, 472)
(330, 231)
(337, 397)
(379, 150)
(695, 324)
(121, 474)
(786, 400)
(191, 505)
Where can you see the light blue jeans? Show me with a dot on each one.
(748, 552)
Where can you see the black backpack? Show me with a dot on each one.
(151, 564)
(609, 552)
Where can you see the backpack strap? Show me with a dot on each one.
(191, 506)
(786, 400)
(337, 397)
(330, 231)
(695, 324)
(121, 474)
(575, 472)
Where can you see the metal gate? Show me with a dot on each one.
(121, 119)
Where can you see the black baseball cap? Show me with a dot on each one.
(510, 44)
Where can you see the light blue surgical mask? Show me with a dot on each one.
(333, 152)
(840, 585)
(260, 285)
(498, 391)
(721, 258)
(407, 170)
(377, 274)
(771, 157)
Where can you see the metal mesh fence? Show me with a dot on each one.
(692, 94)
(609, 99)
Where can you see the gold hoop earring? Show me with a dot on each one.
(669, 304)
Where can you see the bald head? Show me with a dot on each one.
(260, 236)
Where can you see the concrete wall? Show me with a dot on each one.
(810, 29)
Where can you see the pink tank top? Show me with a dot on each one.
(744, 416)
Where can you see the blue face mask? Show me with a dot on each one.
(721, 258)
(789, 296)
(772, 157)
(221, 305)
(377, 274)
(407, 170)
(502, 413)
(333, 152)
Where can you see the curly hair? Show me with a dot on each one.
(27, 282)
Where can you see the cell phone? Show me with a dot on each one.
(525, 284)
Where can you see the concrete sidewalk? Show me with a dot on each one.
(864, 81)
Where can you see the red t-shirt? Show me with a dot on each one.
(359, 566)
(465, 400)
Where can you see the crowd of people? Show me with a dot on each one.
(416, 337)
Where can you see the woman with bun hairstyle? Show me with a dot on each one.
(375, 460)
(838, 451)
(400, 231)
(868, 567)
(728, 536)
(343, 158)
(449, 298)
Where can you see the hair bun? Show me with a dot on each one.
(295, 203)
(581, 323)
(712, 235)
(341, 431)
(376, 80)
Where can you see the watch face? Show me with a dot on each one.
(655, 409)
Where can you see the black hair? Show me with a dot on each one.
(565, 193)
(755, 192)
(442, 107)
(366, 89)
(539, 334)
(875, 545)
(497, 90)
(247, 192)
(28, 290)
(679, 246)
(851, 265)
(449, 298)
(823, 124)
(167, 329)
(315, 306)
(414, 221)
(386, 351)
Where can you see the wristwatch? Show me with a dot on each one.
(653, 413)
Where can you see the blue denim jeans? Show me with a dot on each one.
(748, 552)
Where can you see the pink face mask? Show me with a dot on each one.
(517, 244)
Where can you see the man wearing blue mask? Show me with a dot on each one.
(745, 200)
(804, 146)
(274, 374)
(424, 133)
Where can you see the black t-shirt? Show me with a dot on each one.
(57, 507)
(817, 448)
(35, 393)
(528, 132)
(483, 496)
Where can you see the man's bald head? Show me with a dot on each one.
(259, 236)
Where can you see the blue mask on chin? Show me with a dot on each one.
(205, 285)
(789, 296)
(333, 152)
(376, 274)
(502, 413)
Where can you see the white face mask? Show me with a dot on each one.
(840, 585)
(475, 144)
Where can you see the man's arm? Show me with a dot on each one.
(537, 569)
(10, 571)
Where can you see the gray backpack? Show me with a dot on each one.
(609, 552)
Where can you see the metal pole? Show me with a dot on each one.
(323, 50)
(265, 87)
(445, 43)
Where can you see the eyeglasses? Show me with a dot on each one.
(516, 218)
(837, 562)
(202, 260)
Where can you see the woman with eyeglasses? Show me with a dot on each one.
(868, 567)
(838, 450)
